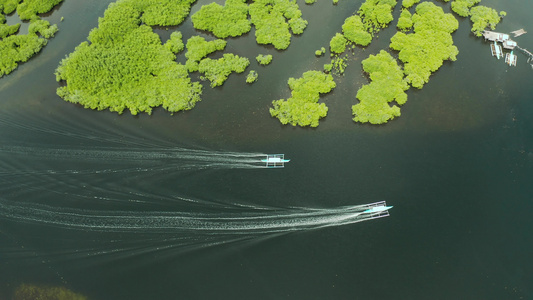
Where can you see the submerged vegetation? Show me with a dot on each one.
(33, 292)
(303, 108)
(14, 48)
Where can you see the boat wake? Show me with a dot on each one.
(134, 233)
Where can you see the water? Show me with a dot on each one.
(131, 207)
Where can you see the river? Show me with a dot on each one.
(89, 200)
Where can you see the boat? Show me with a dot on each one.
(275, 161)
(496, 50)
(377, 209)
(510, 59)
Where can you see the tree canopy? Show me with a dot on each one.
(377, 13)
(162, 12)
(14, 48)
(462, 7)
(302, 108)
(125, 66)
(483, 17)
(264, 59)
(272, 20)
(409, 3)
(28, 9)
(354, 31)
(198, 48)
(386, 85)
(424, 51)
(337, 43)
(405, 22)
(218, 70)
(251, 77)
(223, 21)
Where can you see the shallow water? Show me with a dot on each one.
(456, 166)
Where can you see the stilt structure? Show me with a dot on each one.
(529, 54)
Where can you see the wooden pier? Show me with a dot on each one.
(507, 43)
(526, 53)
(519, 32)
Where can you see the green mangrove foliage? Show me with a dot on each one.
(162, 12)
(337, 43)
(483, 17)
(252, 76)
(462, 7)
(354, 31)
(320, 52)
(18, 48)
(125, 66)
(387, 85)
(7, 30)
(424, 51)
(28, 10)
(409, 3)
(339, 64)
(198, 48)
(223, 21)
(175, 43)
(377, 13)
(302, 108)
(264, 59)
(29, 291)
(405, 22)
(272, 20)
(43, 28)
(218, 70)
(9, 6)
(15, 49)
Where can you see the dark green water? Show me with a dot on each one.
(456, 166)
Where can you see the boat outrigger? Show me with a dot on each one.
(496, 50)
(377, 210)
(510, 59)
(275, 161)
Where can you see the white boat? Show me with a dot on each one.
(510, 59)
(377, 209)
(496, 50)
(275, 161)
